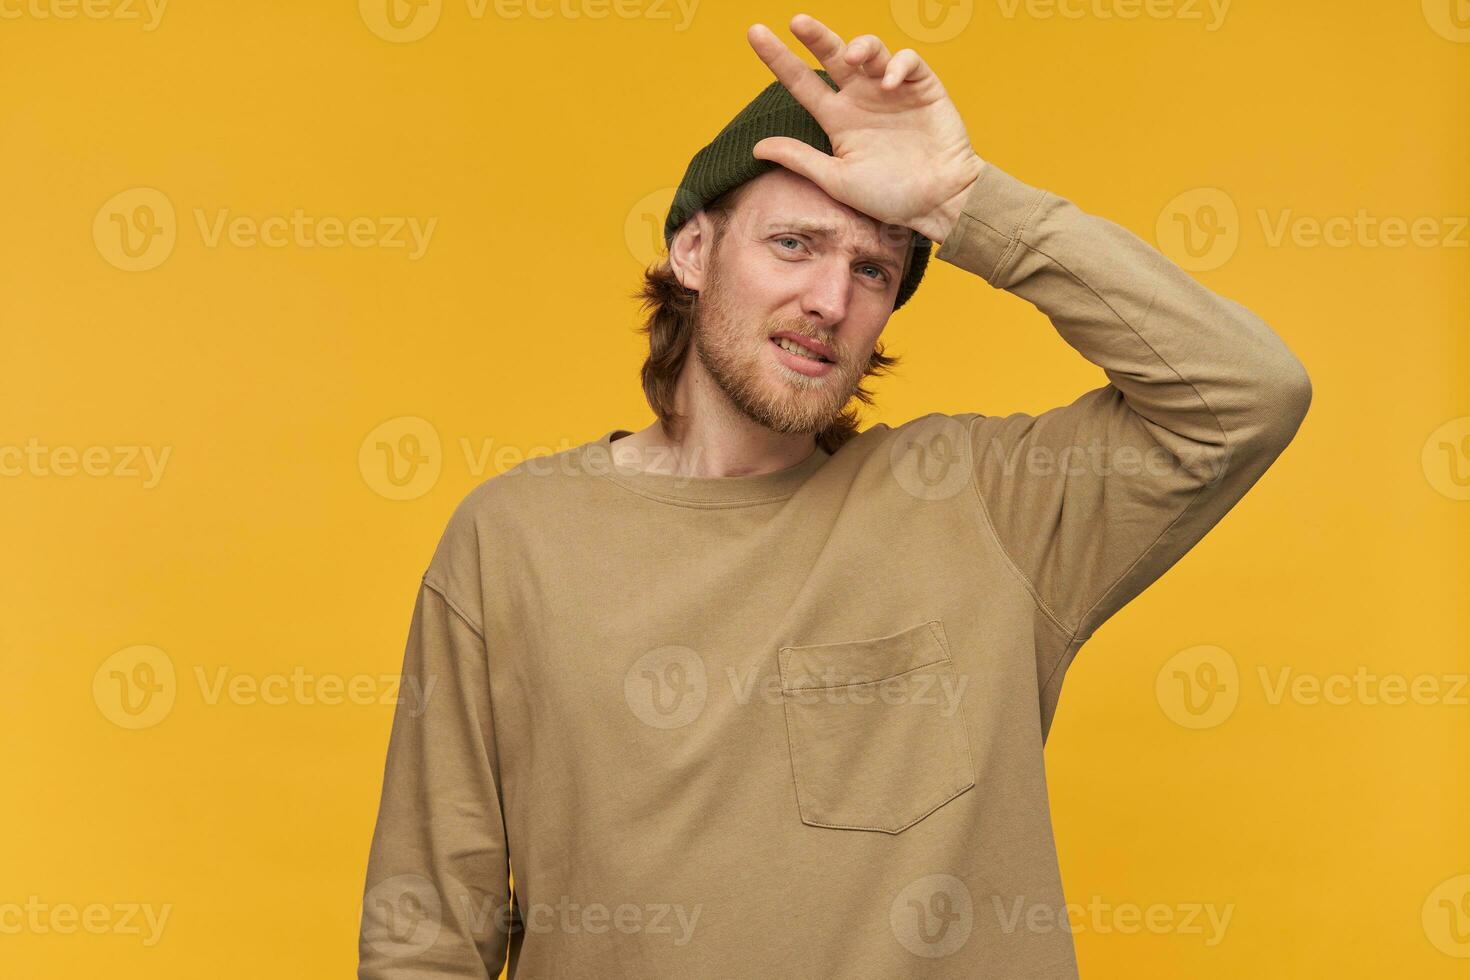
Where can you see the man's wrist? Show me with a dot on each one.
(941, 223)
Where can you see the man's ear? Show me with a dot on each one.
(690, 248)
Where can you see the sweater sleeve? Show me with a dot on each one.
(437, 890)
(1093, 501)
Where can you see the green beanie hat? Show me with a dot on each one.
(727, 163)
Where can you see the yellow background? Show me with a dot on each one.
(544, 146)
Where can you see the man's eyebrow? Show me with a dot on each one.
(823, 230)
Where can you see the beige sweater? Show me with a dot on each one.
(791, 725)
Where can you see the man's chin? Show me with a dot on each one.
(793, 411)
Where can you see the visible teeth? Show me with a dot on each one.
(795, 348)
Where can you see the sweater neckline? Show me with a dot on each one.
(701, 491)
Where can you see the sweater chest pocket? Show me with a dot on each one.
(877, 736)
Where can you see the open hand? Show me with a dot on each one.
(900, 152)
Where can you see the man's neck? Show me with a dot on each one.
(713, 450)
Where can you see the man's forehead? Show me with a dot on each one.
(783, 200)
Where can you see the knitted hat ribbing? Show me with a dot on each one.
(726, 162)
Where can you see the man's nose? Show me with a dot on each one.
(827, 290)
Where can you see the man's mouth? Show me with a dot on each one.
(787, 344)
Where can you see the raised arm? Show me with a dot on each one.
(1095, 500)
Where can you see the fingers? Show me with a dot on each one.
(803, 84)
(906, 66)
(799, 157)
(868, 55)
(824, 43)
(865, 56)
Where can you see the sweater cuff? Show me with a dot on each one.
(986, 238)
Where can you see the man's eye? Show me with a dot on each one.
(882, 275)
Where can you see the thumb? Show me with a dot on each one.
(799, 157)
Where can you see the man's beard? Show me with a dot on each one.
(766, 392)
